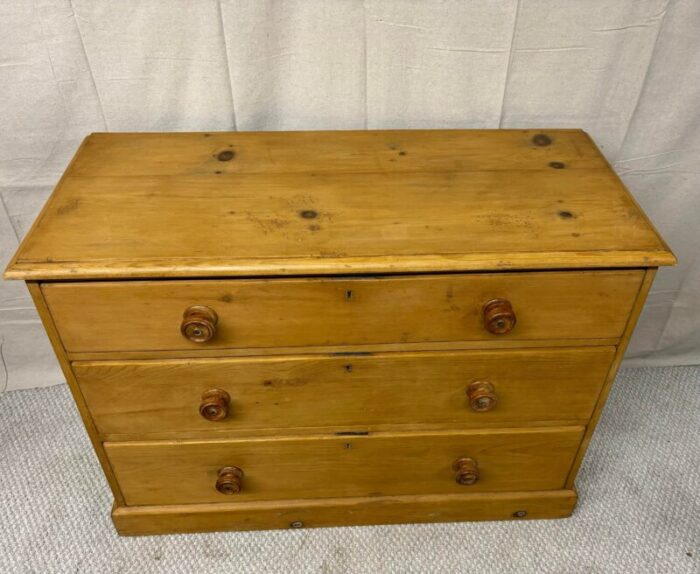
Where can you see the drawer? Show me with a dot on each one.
(150, 316)
(468, 388)
(186, 472)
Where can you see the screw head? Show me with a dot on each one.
(297, 524)
(520, 514)
(483, 402)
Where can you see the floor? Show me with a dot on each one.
(639, 508)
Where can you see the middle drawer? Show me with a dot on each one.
(467, 388)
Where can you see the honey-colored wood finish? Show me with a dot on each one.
(612, 373)
(124, 316)
(344, 350)
(290, 330)
(181, 472)
(363, 202)
(83, 409)
(132, 399)
(140, 520)
(182, 154)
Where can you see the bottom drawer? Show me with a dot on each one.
(186, 472)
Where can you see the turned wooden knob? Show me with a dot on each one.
(467, 471)
(482, 396)
(199, 323)
(229, 480)
(499, 317)
(214, 405)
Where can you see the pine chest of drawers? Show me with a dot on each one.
(286, 330)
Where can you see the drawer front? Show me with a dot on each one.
(315, 467)
(138, 316)
(472, 388)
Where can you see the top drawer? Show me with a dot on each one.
(148, 315)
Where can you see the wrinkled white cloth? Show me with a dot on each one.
(627, 71)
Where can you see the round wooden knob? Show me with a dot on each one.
(214, 405)
(482, 396)
(499, 316)
(199, 323)
(467, 471)
(229, 480)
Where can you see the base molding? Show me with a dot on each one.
(145, 520)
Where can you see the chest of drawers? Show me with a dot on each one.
(286, 330)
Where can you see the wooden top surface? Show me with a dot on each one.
(316, 203)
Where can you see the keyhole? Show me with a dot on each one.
(348, 294)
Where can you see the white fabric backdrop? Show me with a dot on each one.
(627, 71)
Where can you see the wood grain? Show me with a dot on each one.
(83, 409)
(612, 373)
(146, 520)
(180, 472)
(339, 363)
(132, 316)
(281, 267)
(496, 343)
(144, 154)
(137, 398)
(286, 205)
